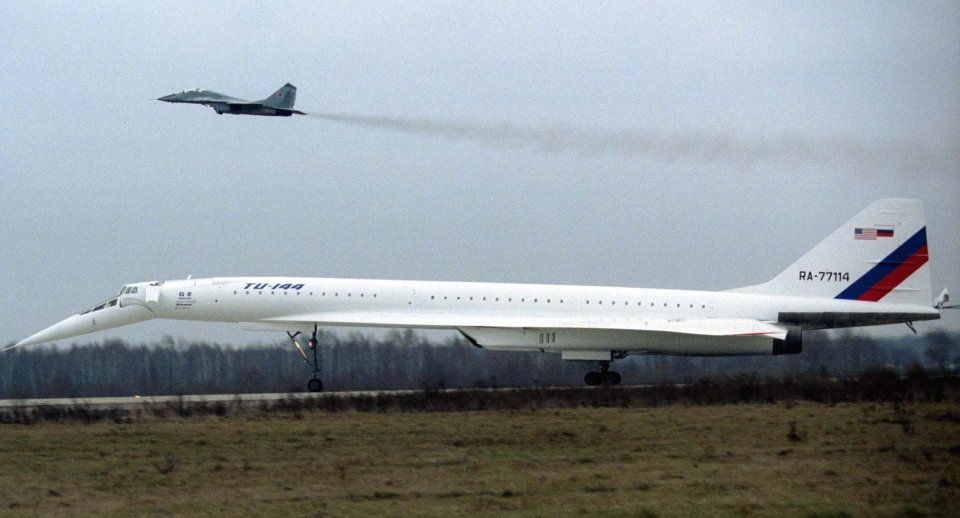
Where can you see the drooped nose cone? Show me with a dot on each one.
(63, 329)
(169, 98)
(89, 322)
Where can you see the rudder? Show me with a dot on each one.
(282, 98)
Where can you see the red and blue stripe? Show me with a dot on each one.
(891, 271)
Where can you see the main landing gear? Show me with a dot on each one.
(604, 377)
(315, 384)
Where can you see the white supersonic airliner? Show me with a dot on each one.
(872, 270)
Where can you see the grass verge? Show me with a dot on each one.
(794, 459)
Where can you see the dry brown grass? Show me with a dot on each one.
(808, 459)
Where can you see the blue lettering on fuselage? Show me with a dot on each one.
(277, 286)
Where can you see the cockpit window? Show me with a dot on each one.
(108, 304)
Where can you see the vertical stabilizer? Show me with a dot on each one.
(282, 98)
(880, 255)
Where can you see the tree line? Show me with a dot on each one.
(408, 360)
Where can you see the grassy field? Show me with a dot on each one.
(805, 459)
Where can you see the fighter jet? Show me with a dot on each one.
(280, 104)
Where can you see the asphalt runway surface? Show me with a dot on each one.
(135, 401)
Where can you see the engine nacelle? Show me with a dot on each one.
(597, 344)
(792, 344)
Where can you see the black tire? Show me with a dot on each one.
(315, 385)
(592, 378)
(612, 378)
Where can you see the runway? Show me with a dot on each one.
(251, 400)
(705, 392)
(131, 402)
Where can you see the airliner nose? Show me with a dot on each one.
(105, 316)
(63, 329)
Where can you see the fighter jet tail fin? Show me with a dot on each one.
(282, 98)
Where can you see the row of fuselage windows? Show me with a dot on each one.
(549, 301)
(309, 294)
(470, 299)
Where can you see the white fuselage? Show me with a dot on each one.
(516, 316)
(438, 304)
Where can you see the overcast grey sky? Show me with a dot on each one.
(669, 145)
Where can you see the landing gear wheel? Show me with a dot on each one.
(314, 385)
(592, 378)
(604, 377)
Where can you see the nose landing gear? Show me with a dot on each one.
(315, 384)
(604, 377)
